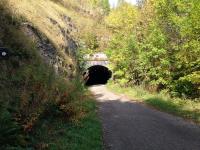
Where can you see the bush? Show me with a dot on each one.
(185, 88)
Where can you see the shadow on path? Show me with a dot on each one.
(132, 126)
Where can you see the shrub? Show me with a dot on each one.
(185, 88)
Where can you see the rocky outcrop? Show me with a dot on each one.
(49, 52)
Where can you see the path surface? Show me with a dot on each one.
(132, 126)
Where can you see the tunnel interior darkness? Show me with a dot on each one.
(98, 75)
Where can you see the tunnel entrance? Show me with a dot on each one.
(98, 75)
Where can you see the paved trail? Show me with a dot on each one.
(132, 126)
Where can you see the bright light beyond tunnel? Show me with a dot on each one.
(98, 75)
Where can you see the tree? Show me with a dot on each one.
(104, 4)
(121, 22)
(122, 19)
(157, 45)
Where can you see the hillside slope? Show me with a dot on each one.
(39, 78)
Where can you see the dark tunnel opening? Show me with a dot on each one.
(98, 75)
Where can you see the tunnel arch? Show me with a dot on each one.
(97, 74)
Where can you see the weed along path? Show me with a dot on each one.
(128, 125)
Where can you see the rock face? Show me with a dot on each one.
(49, 52)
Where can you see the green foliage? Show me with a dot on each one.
(122, 19)
(104, 4)
(9, 129)
(185, 88)
(164, 53)
(84, 134)
(122, 45)
(91, 41)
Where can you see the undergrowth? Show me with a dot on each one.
(84, 134)
(35, 101)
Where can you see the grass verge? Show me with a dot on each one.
(85, 134)
(186, 108)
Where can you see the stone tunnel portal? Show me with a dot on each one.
(98, 74)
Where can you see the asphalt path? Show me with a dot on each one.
(128, 125)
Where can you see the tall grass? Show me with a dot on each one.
(84, 133)
(41, 13)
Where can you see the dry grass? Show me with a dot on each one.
(40, 13)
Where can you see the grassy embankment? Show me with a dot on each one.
(84, 134)
(38, 108)
(188, 109)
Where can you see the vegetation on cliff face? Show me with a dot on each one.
(39, 81)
